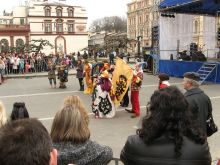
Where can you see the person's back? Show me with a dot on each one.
(168, 136)
(26, 142)
(161, 152)
(71, 139)
(199, 103)
(83, 153)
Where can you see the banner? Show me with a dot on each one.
(121, 79)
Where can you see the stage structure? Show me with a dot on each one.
(198, 7)
(178, 68)
(176, 31)
(179, 32)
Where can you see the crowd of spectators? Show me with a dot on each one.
(168, 135)
(15, 63)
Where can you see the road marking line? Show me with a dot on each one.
(48, 118)
(217, 97)
(155, 85)
(38, 94)
(118, 110)
(54, 93)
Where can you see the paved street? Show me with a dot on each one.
(43, 102)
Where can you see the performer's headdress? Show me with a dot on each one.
(104, 74)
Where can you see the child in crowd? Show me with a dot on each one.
(163, 80)
(19, 111)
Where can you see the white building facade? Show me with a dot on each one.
(64, 26)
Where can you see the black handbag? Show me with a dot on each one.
(210, 125)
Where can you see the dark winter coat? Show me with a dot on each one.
(161, 152)
(199, 104)
(79, 71)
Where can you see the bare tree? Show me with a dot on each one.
(37, 45)
(109, 24)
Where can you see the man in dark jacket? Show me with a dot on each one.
(200, 103)
(79, 74)
(111, 58)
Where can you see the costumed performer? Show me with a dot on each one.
(88, 80)
(103, 106)
(52, 73)
(62, 75)
(163, 80)
(135, 88)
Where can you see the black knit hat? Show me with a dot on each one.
(192, 75)
(163, 76)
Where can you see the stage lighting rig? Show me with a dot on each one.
(170, 15)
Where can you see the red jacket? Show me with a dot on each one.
(137, 81)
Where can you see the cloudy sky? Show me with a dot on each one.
(95, 8)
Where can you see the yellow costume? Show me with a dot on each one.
(88, 80)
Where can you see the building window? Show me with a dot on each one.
(147, 32)
(140, 20)
(70, 27)
(146, 2)
(47, 26)
(70, 13)
(21, 21)
(47, 12)
(59, 12)
(139, 5)
(146, 18)
(59, 26)
(196, 27)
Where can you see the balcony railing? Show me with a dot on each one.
(14, 27)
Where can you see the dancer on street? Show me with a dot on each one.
(52, 74)
(135, 88)
(87, 77)
(62, 75)
(103, 105)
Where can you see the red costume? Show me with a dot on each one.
(135, 87)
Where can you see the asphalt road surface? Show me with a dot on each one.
(43, 102)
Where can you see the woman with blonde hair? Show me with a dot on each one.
(3, 116)
(71, 136)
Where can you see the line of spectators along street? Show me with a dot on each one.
(19, 64)
(168, 134)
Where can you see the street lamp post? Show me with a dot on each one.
(139, 46)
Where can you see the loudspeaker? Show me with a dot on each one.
(193, 48)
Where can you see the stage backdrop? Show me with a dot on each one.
(178, 68)
(182, 29)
